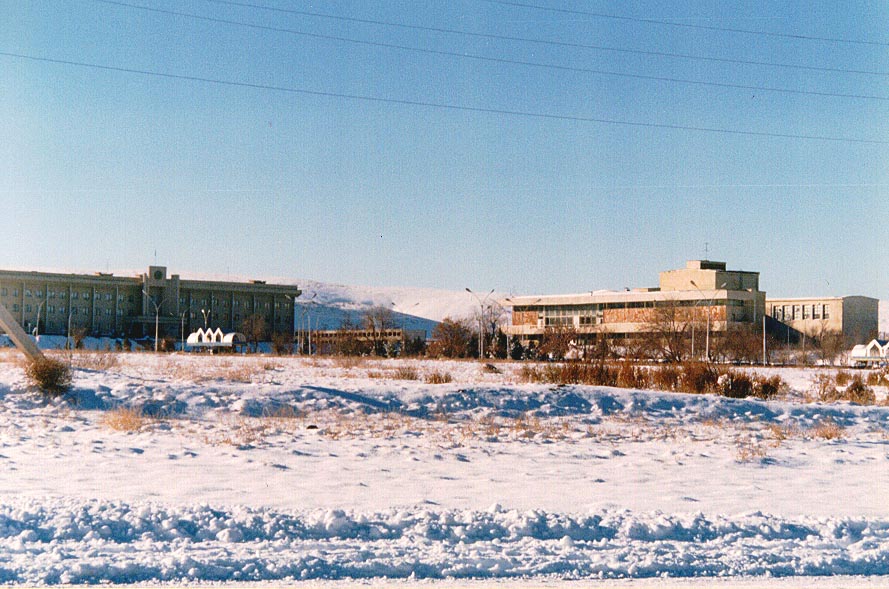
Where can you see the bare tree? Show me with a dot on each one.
(377, 320)
(669, 326)
(557, 340)
(451, 339)
(254, 328)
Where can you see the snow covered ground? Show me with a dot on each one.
(278, 470)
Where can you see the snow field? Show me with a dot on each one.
(271, 469)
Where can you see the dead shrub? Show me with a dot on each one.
(124, 419)
(94, 361)
(631, 376)
(438, 378)
(877, 378)
(828, 429)
(51, 376)
(666, 378)
(735, 385)
(768, 387)
(698, 377)
(842, 378)
(856, 392)
(406, 373)
(824, 388)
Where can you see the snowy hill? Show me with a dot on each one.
(415, 308)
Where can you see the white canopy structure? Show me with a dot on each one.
(873, 354)
(215, 338)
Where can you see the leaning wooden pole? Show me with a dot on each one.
(18, 336)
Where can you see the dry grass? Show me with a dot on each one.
(438, 378)
(50, 375)
(100, 361)
(751, 450)
(828, 429)
(124, 419)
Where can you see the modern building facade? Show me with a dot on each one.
(102, 304)
(856, 318)
(703, 294)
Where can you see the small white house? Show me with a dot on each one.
(875, 353)
(214, 339)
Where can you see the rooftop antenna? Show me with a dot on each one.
(706, 249)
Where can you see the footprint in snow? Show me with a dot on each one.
(137, 450)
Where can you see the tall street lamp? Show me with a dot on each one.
(206, 313)
(182, 328)
(481, 321)
(709, 305)
(157, 315)
(37, 327)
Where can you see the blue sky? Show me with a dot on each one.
(101, 168)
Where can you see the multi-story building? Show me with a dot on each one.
(703, 294)
(105, 305)
(856, 318)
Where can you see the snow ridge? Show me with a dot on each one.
(126, 543)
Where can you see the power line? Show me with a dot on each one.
(446, 106)
(498, 60)
(553, 43)
(688, 25)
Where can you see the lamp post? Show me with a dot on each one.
(157, 315)
(709, 304)
(403, 321)
(206, 313)
(481, 321)
(182, 328)
(37, 327)
(307, 317)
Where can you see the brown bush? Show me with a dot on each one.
(51, 376)
(857, 392)
(631, 376)
(828, 430)
(666, 377)
(406, 373)
(438, 378)
(842, 378)
(698, 377)
(824, 388)
(768, 387)
(124, 419)
(735, 385)
(878, 377)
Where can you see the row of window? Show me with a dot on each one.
(797, 312)
(183, 301)
(51, 294)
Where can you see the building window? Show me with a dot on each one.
(74, 294)
(4, 292)
(86, 296)
(15, 306)
(74, 310)
(51, 294)
(27, 292)
(39, 293)
(27, 308)
(50, 309)
(816, 311)
(15, 292)
(805, 311)
(107, 296)
(826, 313)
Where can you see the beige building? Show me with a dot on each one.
(703, 295)
(855, 317)
(107, 305)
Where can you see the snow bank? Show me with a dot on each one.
(71, 542)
